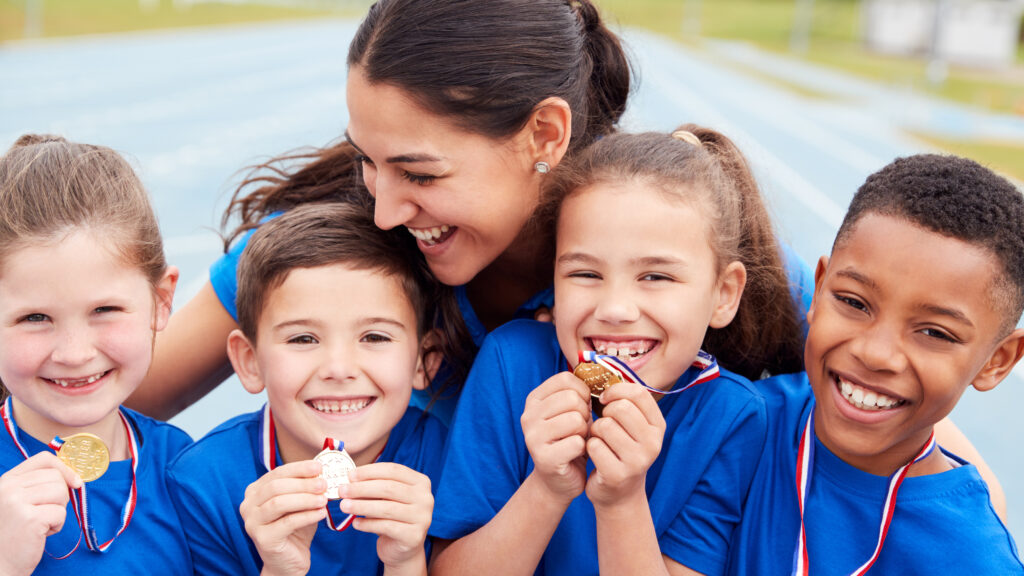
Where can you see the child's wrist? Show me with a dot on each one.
(414, 566)
(623, 507)
(541, 494)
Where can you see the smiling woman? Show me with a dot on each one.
(457, 110)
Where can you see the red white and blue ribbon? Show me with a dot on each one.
(705, 362)
(268, 455)
(79, 496)
(804, 468)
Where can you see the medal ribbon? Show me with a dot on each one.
(268, 455)
(705, 362)
(804, 467)
(79, 497)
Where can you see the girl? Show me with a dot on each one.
(658, 237)
(83, 290)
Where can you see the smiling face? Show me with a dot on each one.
(464, 196)
(338, 353)
(76, 333)
(903, 322)
(635, 277)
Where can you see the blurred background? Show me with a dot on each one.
(818, 93)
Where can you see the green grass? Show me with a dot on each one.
(1000, 156)
(835, 42)
(75, 17)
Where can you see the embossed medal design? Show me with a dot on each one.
(597, 378)
(336, 467)
(86, 454)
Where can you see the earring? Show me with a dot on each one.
(542, 167)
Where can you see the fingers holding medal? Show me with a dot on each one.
(598, 379)
(336, 466)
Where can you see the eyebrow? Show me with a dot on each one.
(400, 159)
(315, 322)
(952, 313)
(583, 258)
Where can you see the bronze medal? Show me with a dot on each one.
(336, 466)
(598, 379)
(86, 454)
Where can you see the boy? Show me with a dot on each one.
(333, 314)
(918, 301)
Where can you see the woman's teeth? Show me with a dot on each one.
(864, 399)
(339, 406)
(429, 236)
(77, 382)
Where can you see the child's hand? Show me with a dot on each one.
(623, 444)
(33, 505)
(555, 422)
(394, 502)
(281, 510)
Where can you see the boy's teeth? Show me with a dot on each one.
(339, 406)
(865, 399)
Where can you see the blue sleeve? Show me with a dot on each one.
(224, 274)
(801, 283)
(486, 456)
(209, 534)
(701, 534)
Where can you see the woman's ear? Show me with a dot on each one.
(429, 362)
(242, 353)
(548, 131)
(730, 290)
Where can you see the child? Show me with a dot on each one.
(657, 238)
(84, 288)
(334, 317)
(917, 302)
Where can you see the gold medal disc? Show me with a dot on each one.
(86, 454)
(336, 466)
(597, 378)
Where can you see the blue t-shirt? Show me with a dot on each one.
(944, 523)
(153, 542)
(208, 481)
(696, 486)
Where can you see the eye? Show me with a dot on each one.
(34, 318)
(851, 302)
(303, 339)
(940, 335)
(106, 309)
(421, 179)
(375, 338)
(586, 274)
(656, 276)
(361, 159)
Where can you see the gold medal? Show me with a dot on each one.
(598, 379)
(86, 454)
(336, 467)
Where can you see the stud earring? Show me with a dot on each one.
(542, 167)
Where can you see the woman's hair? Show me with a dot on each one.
(704, 167)
(485, 65)
(50, 187)
(328, 233)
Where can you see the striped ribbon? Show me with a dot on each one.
(705, 362)
(804, 468)
(79, 496)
